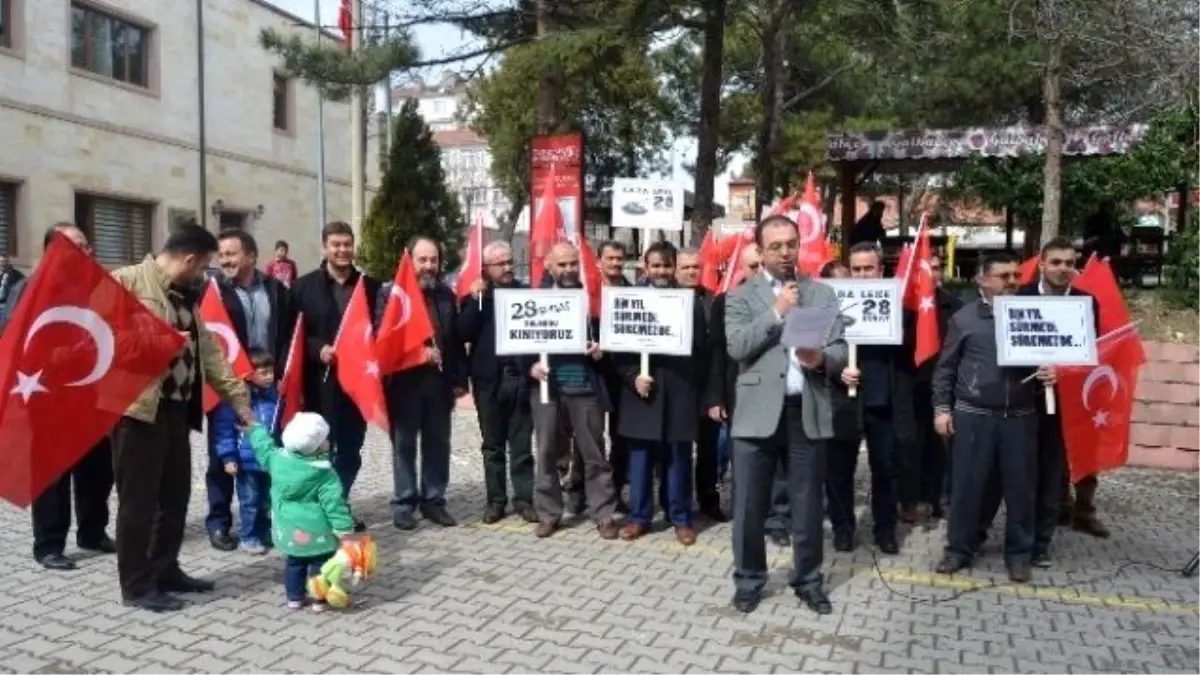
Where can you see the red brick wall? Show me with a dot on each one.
(1166, 414)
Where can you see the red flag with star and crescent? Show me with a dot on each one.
(216, 320)
(291, 385)
(357, 367)
(405, 329)
(472, 269)
(1096, 404)
(78, 350)
(546, 230)
(920, 296)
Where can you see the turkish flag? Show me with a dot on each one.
(814, 249)
(1028, 272)
(1097, 278)
(589, 274)
(472, 269)
(734, 274)
(357, 367)
(346, 23)
(1096, 404)
(291, 385)
(78, 350)
(405, 329)
(217, 321)
(548, 229)
(920, 296)
(710, 263)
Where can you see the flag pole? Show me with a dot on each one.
(357, 115)
(320, 131)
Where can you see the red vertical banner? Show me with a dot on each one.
(559, 158)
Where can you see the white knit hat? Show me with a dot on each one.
(306, 433)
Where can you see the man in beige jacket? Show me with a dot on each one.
(152, 458)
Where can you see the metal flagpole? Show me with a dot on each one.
(357, 115)
(320, 133)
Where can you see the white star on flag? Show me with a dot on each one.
(1100, 419)
(28, 385)
(926, 303)
(373, 368)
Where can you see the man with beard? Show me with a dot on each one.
(784, 411)
(991, 412)
(660, 415)
(578, 401)
(421, 400)
(500, 385)
(687, 275)
(612, 270)
(92, 477)
(322, 297)
(259, 308)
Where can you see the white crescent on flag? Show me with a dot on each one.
(96, 328)
(405, 305)
(1104, 372)
(233, 347)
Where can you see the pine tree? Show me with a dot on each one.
(413, 200)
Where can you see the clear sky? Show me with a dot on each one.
(440, 41)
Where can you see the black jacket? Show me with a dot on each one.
(722, 370)
(477, 327)
(443, 313)
(282, 318)
(967, 375)
(312, 296)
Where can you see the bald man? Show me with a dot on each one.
(578, 402)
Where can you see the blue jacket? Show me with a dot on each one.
(231, 444)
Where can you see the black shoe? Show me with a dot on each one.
(577, 503)
(936, 512)
(528, 514)
(887, 544)
(951, 564)
(622, 507)
(815, 599)
(714, 513)
(1020, 573)
(439, 516)
(780, 538)
(155, 602)
(359, 526)
(403, 520)
(104, 545)
(844, 542)
(182, 583)
(56, 561)
(1042, 560)
(494, 513)
(222, 541)
(746, 601)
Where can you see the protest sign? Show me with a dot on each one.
(1039, 330)
(872, 308)
(647, 204)
(541, 321)
(647, 320)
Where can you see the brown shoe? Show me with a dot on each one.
(633, 531)
(910, 514)
(685, 535)
(545, 528)
(494, 513)
(529, 515)
(607, 530)
(1091, 525)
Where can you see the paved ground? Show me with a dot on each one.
(493, 599)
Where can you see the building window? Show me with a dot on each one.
(108, 46)
(280, 109)
(232, 220)
(8, 218)
(118, 229)
(6, 27)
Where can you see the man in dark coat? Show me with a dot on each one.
(500, 387)
(660, 415)
(421, 400)
(260, 310)
(322, 297)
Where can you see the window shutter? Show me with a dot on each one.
(139, 229)
(7, 207)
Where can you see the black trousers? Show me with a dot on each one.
(931, 448)
(1048, 487)
(420, 403)
(152, 464)
(706, 463)
(92, 479)
(755, 462)
(986, 446)
(506, 423)
(880, 432)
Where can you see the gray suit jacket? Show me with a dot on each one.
(752, 333)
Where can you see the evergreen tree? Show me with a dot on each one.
(413, 200)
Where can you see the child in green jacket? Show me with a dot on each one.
(309, 514)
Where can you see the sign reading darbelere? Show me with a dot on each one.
(872, 309)
(541, 321)
(1040, 330)
(646, 320)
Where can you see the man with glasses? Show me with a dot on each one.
(501, 387)
(992, 413)
(92, 476)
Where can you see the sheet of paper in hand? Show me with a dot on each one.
(808, 327)
(647, 320)
(541, 321)
(872, 310)
(648, 204)
(1039, 330)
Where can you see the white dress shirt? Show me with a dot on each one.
(795, 376)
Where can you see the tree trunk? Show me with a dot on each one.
(548, 113)
(764, 161)
(708, 129)
(1052, 172)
